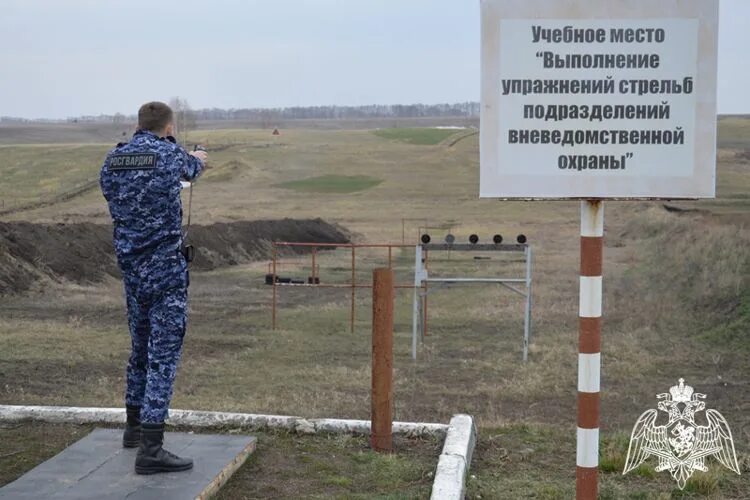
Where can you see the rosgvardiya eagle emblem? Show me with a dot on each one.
(681, 445)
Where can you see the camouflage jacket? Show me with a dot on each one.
(140, 180)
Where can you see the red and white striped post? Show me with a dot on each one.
(589, 349)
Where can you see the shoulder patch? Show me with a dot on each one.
(133, 161)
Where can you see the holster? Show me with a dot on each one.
(188, 251)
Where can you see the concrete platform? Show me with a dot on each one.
(98, 467)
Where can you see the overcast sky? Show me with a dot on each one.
(62, 58)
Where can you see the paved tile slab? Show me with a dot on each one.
(99, 467)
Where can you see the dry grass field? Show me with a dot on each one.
(677, 304)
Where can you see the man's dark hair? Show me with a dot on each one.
(154, 116)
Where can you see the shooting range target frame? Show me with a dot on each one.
(520, 285)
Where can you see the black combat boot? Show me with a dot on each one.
(152, 458)
(132, 435)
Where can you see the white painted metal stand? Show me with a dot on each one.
(421, 278)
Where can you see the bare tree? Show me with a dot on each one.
(184, 117)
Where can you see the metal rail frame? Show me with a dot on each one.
(353, 285)
(422, 279)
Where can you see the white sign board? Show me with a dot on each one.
(598, 98)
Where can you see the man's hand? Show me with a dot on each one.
(201, 155)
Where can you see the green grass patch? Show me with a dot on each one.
(703, 483)
(38, 173)
(613, 452)
(702, 270)
(332, 184)
(418, 136)
(733, 330)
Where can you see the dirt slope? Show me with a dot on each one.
(83, 253)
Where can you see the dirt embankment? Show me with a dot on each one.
(83, 253)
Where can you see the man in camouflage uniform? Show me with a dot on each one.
(141, 182)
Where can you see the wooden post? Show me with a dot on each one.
(354, 292)
(381, 438)
(314, 250)
(589, 349)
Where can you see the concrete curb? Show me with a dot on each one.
(66, 414)
(454, 462)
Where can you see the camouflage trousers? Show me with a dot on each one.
(157, 325)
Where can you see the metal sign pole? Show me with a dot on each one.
(589, 349)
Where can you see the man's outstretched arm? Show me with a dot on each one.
(194, 164)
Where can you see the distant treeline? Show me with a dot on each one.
(270, 116)
(468, 109)
(274, 116)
